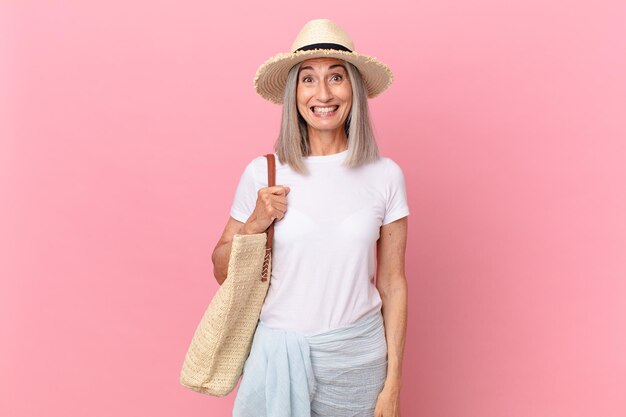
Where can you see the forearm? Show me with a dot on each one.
(220, 257)
(221, 253)
(394, 310)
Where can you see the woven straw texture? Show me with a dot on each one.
(222, 340)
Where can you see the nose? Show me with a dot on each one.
(324, 94)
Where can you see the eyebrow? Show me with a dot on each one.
(331, 67)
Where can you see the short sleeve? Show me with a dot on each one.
(396, 205)
(245, 195)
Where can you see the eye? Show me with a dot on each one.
(337, 76)
(304, 79)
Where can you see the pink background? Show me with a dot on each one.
(124, 127)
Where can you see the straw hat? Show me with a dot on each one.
(319, 38)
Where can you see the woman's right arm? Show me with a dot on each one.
(271, 204)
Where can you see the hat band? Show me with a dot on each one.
(323, 46)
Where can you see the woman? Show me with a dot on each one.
(329, 341)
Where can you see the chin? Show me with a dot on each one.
(326, 127)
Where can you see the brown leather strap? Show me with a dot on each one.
(271, 181)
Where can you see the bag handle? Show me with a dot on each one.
(271, 181)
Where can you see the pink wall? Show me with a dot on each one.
(124, 127)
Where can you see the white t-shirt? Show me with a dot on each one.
(323, 255)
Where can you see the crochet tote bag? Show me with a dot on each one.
(223, 338)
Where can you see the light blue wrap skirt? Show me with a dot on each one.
(338, 373)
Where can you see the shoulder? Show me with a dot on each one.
(255, 163)
(394, 168)
(389, 167)
(255, 170)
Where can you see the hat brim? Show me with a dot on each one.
(271, 76)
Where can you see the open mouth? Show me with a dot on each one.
(324, 111)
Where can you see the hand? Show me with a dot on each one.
(271, 204)
(388, 402)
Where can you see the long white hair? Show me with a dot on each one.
(293, 141)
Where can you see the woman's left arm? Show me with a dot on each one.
(392, 286)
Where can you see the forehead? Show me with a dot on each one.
(320, 63)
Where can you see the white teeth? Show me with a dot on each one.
(325, 109)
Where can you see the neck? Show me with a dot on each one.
(326, 142)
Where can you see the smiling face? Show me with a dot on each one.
(324, 93)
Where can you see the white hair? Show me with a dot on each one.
(293, 141)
